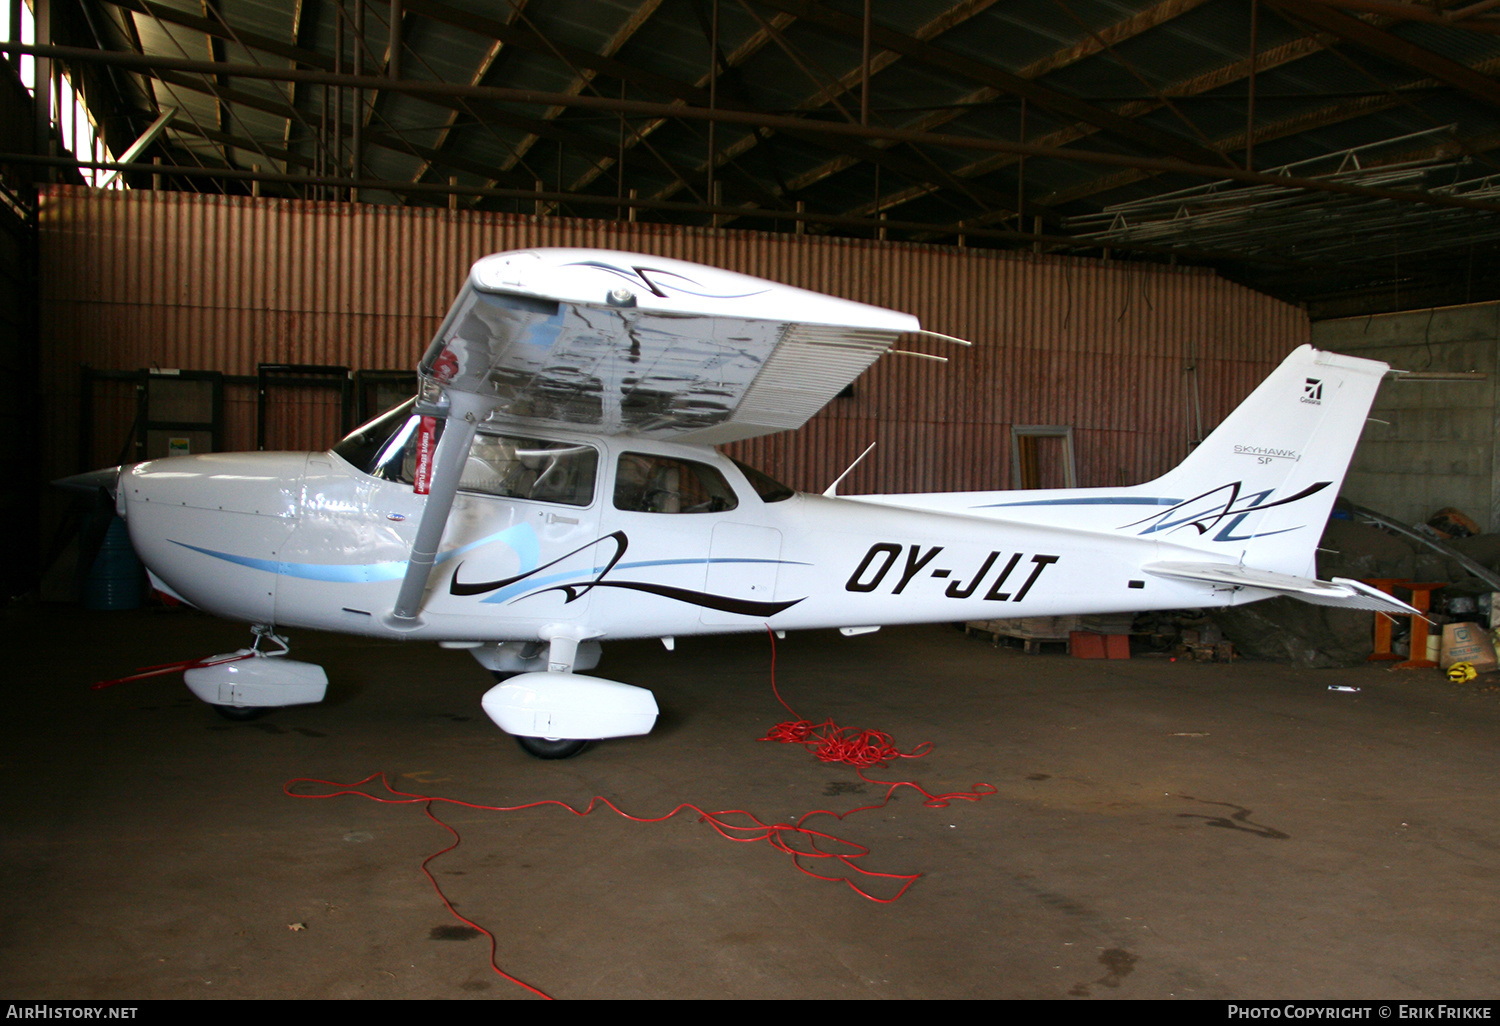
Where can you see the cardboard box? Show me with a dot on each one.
(1467, 643)
(1088, 645)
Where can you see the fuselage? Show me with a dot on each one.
(616, 537)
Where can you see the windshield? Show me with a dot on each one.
(368, 447)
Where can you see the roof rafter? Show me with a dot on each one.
(1132, 133)
(1121, 31)
(584, 77)
(695, 92)
(254, 102)
(524, 37)
(1235, 71)
(445, 134)
(1463, 17)
(1391, 47)
(923, 169)
(1218, 78)
(449, 91)
(217, 29)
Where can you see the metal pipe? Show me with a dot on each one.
(147, 138)
(864, 69)
(1021, 173)
(393, 64)
(1250, 104)
(42, 79)
(320, 191)
(337, 154)
(356, 154)
(713, 97)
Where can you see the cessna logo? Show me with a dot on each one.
(1312, 391)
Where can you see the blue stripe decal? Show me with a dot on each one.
(538, 583)
(1123, 500)
(521, 538)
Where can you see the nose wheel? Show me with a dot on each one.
(551, 747)
(249, 683)
(240, 713)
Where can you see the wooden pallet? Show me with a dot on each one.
(1032, 631)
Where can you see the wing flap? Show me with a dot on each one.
(1341, 591)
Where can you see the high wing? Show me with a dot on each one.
(626, 344)
(621, 343)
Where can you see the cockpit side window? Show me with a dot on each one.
(659, 484)
(505, 466)
(513, 467)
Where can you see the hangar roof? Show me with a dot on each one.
(1336, 153)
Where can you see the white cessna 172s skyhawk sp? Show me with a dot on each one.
(554, 485)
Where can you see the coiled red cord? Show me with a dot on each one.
(828, 741)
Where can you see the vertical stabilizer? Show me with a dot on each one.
(1259, 489)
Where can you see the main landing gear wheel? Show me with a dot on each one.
(551, 747)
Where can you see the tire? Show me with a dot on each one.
(241, 713)
(551, 747)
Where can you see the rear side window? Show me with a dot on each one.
(659, 484)
(768, 488)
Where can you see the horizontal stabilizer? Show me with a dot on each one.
(1341, 591)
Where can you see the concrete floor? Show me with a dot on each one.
(1159, 829)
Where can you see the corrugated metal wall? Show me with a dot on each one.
(140, 279)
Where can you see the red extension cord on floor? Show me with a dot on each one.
(827, 741)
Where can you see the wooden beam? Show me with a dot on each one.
(1391, 47)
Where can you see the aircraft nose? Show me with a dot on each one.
(213, 527)
(265, 484)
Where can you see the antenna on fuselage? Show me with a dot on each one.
(831, 492)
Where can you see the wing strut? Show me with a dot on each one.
(464, 411)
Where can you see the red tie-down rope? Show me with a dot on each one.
(165, 668)
(868, 748)
(817, 844)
